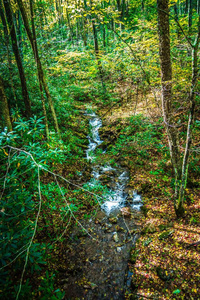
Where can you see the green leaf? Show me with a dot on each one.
(176, 291)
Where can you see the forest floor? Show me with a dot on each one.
(164, 262)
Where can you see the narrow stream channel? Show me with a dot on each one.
(117, 196)
(97, 268)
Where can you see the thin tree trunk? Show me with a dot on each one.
(118, 5)
(104, 35)
(176, 18)
(189, 15)
(19, 33)
(96, 48)
(198, 7)
(33, 41)
(190, 121)
(17, 57)
(6, 36)
(69, 23)
(186, 6)
(36, 54)
(4, 108)
(123, 12)
(83, 32)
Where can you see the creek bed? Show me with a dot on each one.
(97, 267)
(117, 197)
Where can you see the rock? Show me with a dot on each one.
(118, 228)
(126, 212)
(113, 220)
(93, 286)
(106, 227)
(115, 237)
(164, 274)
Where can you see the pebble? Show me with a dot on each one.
(115, 237)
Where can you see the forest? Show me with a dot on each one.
(99, 149)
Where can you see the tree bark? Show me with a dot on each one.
(17, 57)
(6, 36)
(166, 81)
(36, 54)
(189, 15)
(190, 121)
(33, 41)
(96, 48)
(4, 108)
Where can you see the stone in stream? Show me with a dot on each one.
(113, 220)
(106, 227)
(126, 212)
(115, 237)
(119, 249)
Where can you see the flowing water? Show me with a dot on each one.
(97, 268)
(117, 196)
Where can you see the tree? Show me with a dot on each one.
(179, 162)
(41, 77)
(6, 39)
(4, 107)
(96, 48)
(16, 51)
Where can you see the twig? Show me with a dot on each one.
(33, 235)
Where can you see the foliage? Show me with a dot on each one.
(128, 53)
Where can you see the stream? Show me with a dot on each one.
(97, 268)
(117, 197)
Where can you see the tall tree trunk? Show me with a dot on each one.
(198, 7)
(4, 107)
(33, 41)
(69, 23)
(118, 5)
(104, 35)
(37, 59)
(19, 33)
(96, 48)
(123, 12)
(83, 31)
(17, 57)
(166, 81)
(6, 37)
(190, 15)
(186, 7)
(176, 18)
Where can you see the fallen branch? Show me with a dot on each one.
(195, 244)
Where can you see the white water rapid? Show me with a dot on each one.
(117, 197)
